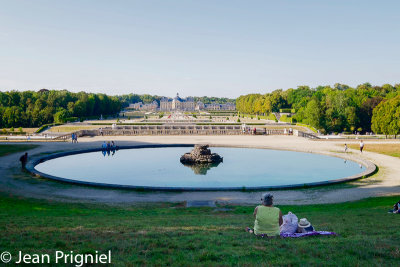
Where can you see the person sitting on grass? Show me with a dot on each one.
(268, 218)
(396, 208)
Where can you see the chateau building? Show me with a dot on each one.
(182, 104)
(217, 106)
(177, 103)
(147, 107)
(200, 105)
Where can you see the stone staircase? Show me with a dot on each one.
(277, 115)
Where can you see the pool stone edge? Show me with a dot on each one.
(370, 170)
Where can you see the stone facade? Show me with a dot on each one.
(181, 104)
(177, 103)
(217, 106)
(145, 107)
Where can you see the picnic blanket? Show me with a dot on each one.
(295, 235)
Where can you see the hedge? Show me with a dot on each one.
(287, 110)
(71, 119)
(45, 126)
(13, 133)
(308, 126)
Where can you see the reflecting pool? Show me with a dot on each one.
(160, 168)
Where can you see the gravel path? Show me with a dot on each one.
(387, 182)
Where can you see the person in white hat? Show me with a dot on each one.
(304, 226)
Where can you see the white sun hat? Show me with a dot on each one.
(304, 223)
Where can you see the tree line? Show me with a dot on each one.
(209, 100)
(33, 109)
(340, 108)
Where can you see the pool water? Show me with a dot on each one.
(160, 168)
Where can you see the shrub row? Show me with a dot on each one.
(72, 119)
(45, 126)
(287, 110)
(270, 116)
(13, 133)
(308, 126)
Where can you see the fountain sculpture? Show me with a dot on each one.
(201, 155)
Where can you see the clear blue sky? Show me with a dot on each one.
(218, 48)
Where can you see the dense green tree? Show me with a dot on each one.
(278, 100)
(313, 114)
(386, 117)
(365, 112)
(61, 115)
(12, 116)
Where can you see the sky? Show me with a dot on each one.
(223, 48)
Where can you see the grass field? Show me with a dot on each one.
(387, 149)
(68, 129)
(170, 234)
(9, 149)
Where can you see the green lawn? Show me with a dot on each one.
(387, 149)
(170, 234)
(9, 149)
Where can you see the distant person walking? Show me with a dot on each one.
(113, 148)
(345, 148)
(361, 146)
(23, 159)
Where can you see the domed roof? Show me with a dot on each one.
(177, 98)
